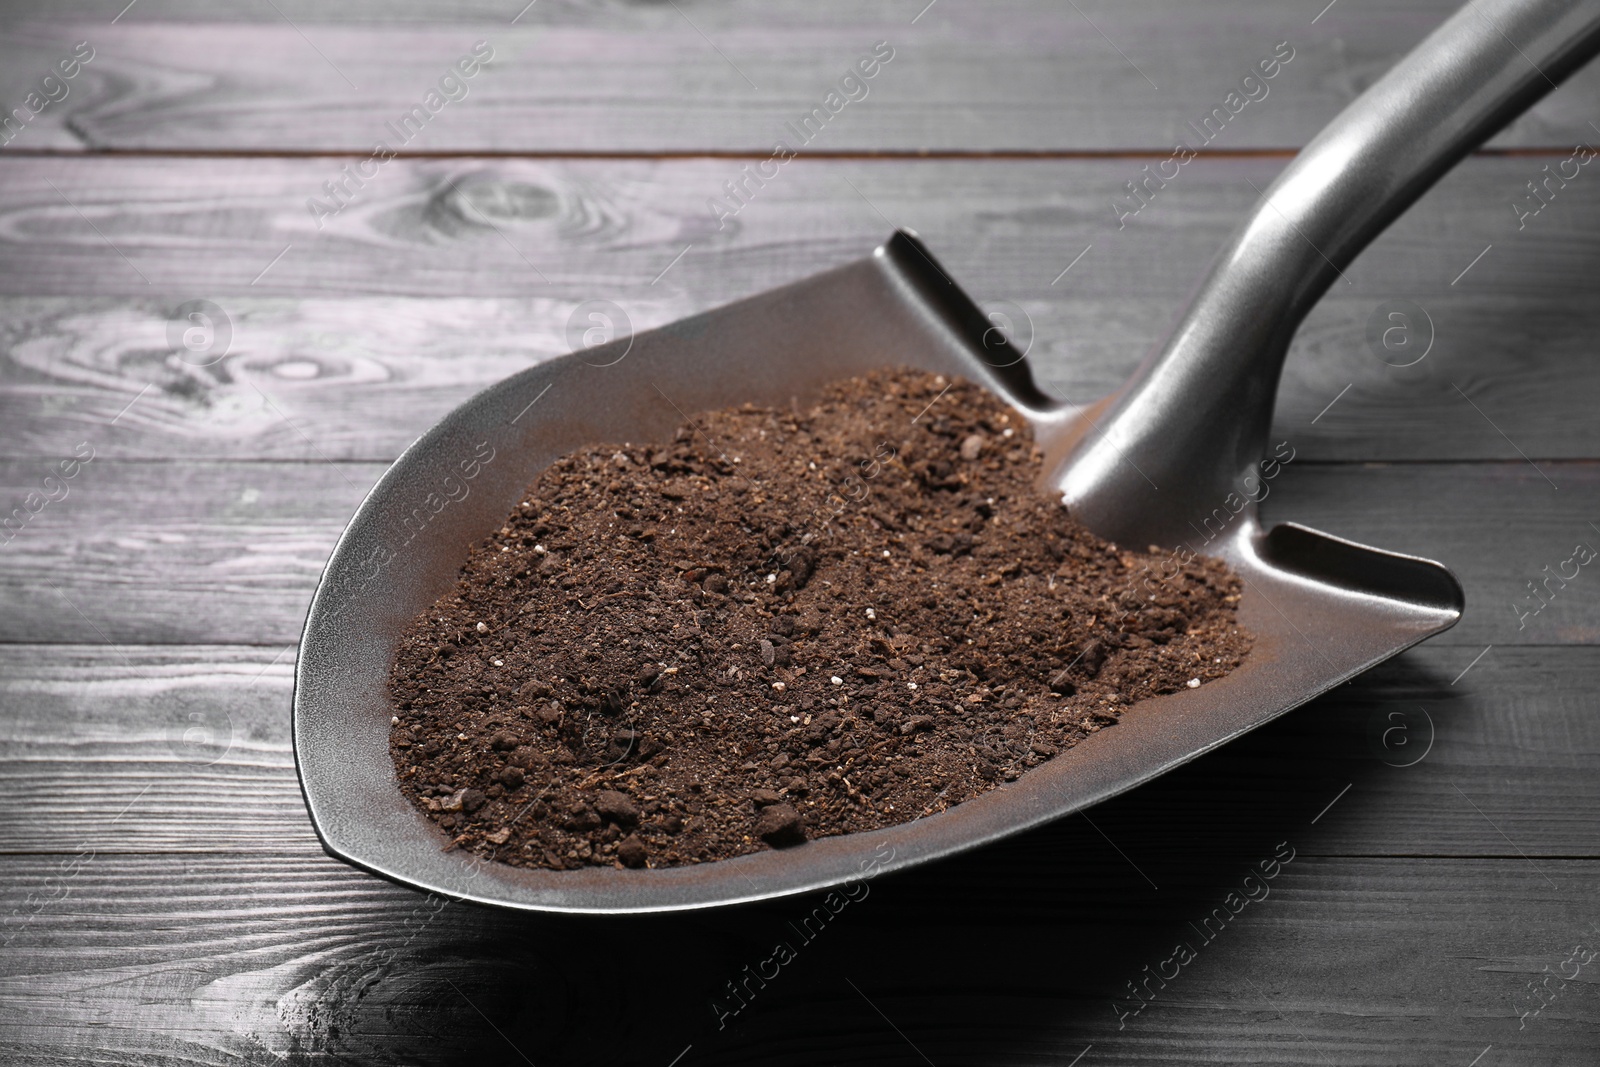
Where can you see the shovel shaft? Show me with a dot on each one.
(1192, 421)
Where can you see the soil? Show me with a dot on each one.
(783, 624)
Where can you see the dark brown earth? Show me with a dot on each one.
(783, 624)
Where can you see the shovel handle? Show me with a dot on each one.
(1192, 421)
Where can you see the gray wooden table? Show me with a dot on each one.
(170, 505)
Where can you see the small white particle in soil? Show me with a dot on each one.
(1194, 683)
(483, 627)
(498, 662)
(836, 680)
(394, 720)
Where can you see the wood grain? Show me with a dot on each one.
(162, 896)
(966, 76)
(216, 959)
(413, 300)
(187, 749)
(231, 552)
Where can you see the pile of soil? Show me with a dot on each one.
(783, 624)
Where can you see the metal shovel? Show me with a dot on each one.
(1169, 459)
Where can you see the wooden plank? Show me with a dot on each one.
(965, 76)
(419, 302)
(188, 750)
(172, 552)
(155, 749)
(223, 958)
(486, 227)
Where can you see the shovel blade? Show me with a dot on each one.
(1322, 609)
